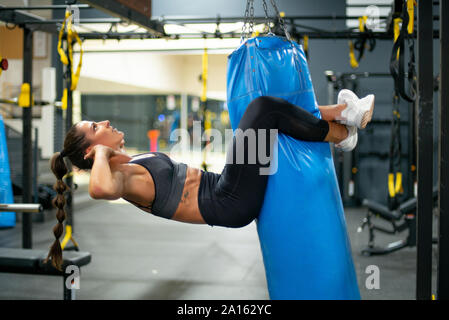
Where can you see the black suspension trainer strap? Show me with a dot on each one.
(395, 174)
(397, 57)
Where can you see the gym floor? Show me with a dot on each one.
(138, 256)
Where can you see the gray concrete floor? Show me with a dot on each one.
(138, 256)
(397, 269)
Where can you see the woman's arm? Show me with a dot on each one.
(104, 183)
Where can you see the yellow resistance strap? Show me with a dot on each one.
(71, 34)
(61, 51)
(411, 15)
(204, 76)
(396, 31)
(411, 22)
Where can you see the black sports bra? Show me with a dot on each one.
(169, 177)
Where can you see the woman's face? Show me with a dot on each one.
(102, 133)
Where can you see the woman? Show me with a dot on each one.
(156, 184)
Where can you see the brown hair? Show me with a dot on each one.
(75, 145)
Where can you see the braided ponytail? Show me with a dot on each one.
(60, 170)
(75, 145)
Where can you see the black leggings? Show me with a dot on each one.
(235, 197)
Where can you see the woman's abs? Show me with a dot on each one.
(188, 209)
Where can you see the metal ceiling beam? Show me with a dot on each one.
(32, 21)
(121, 11)
(181, 19)
(140, 35)
(53, 7)
(80, 21)
(311, 35)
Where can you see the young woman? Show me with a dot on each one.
(158, 185)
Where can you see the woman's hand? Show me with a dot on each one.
(99, 149)
(110, 154)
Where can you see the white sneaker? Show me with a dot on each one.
(350, 142)
(346, 94)
(358, 111)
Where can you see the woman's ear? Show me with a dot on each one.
(87, 150)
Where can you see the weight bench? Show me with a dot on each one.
(30, 261)
(406, 212)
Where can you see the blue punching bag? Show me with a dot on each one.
(301, 226)
(7, 219)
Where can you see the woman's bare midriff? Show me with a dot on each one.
(188, 209)
(140, 189)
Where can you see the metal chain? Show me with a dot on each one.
(267, 20)
(251, 17)
(244, 27)
(248, 24)
(280, 19)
